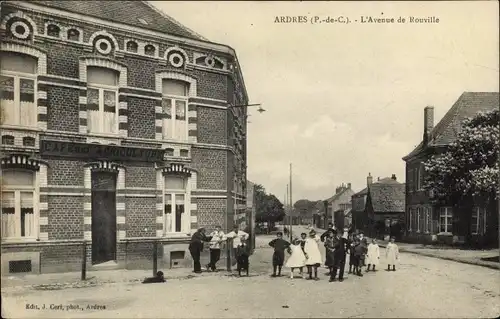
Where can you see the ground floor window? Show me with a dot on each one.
(445, 220)
(410, 218)
(175, 203)
(419, 219)
(479, 221)
(18, 209)
(428, 219)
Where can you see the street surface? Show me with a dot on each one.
(422, 287)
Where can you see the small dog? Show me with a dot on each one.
(242, 259)
(158, 278)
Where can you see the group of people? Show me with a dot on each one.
(305, 253)
(216, 240)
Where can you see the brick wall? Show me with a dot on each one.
(141, 216)
(212, 125)
(140, 176)
(211, 165)
(63, 109)
(65, 217)
(211, 85)
(141, 118)
(62, 59)
(141, 73)
(65, 172)
(211, 212)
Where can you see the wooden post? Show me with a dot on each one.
(229, 244)
(155, 257)
(84, 260)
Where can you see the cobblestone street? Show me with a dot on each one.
(421, 287)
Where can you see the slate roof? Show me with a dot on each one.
(126, 12)
(388, 196)
(467, 105)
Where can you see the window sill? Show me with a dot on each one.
(176, 235)
(21, 127)
(444, 234)
(18, 240)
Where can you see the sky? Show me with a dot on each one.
(343, 100)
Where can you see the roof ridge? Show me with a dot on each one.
(166, 16)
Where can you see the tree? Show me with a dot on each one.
(467, 172)
(268, 207)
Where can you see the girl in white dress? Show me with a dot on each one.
(313, 254)
(373, 255)
(297, 258)
(392, 254)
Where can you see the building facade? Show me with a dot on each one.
(324, 216)
(426, 221)
(120, 128)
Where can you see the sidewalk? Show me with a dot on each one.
(473, 257)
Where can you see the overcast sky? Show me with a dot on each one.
(345, 100)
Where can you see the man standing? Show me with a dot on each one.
(239, 237)
(329, 230)
(196, 247)
(215, 246)
(339, 256)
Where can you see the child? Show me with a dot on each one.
(297, 258)
(392, 254)
(218, 239)
(279, 245)
(358, 253)
(373, 255)
(364, 244)
(242, 258)
(350, 246)
(313, 254)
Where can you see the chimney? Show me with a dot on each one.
(369, 179)
(394, 177)
(428, 121)
(348, 185)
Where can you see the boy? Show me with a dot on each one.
(358, 253)
(350, 246)
(279, 245)
(215, 245)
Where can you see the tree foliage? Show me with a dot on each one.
(469, 167)
(268, 207)
(305, 206)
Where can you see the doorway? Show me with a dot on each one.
(103, 217)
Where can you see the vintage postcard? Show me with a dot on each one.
(249, 159)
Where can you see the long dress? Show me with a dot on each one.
(311, 248)
(373, 255)
(392, 253)
(297, 258)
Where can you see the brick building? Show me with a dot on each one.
(118, 128)
(446, 222)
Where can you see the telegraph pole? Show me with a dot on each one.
(286, 205)
(291, 204)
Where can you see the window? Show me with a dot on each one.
(410, 218)
(175, 204)
(8, 140)
(420, 178)
(428, 219)
(445, 220)
(73, 35)
(174, 106)
(17, 89)
(478, 221)
(132, 47)
(149, 50)
(418, 218)
(29, 141)
(102, 100)
(53, 30)
(18, 215)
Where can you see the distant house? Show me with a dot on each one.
(323, 216)
(343, 216)
(427, 222)
(379, 209)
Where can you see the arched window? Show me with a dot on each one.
(73, 35)
(17, 89)
(175, 203)
(102, 100)
(18, 199)
(149, 50)
(174, 104)
(132, 46)
(53, 31)
(8, 140)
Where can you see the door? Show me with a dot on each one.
(103, 217)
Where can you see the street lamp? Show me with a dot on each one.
(260, 109)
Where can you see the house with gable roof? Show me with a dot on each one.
(325, 209)
(445, 222)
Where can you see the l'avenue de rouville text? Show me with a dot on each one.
(410, 19)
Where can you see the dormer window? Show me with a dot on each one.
(149, 50)
(132, 46)
(53, 31)
(73, 35)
